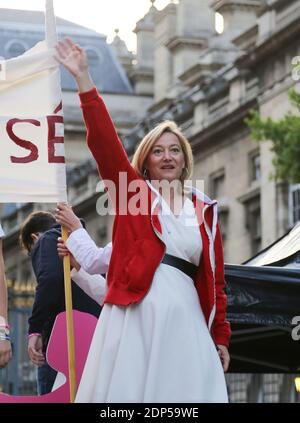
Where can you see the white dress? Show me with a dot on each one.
(159, 350)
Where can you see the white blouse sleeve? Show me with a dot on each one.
(92, 259)
(1, 232)
(93, 285)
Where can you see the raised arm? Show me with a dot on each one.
(102, 138)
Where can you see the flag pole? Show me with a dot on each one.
(69, 319)
(51, 40)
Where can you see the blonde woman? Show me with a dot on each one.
(162, 335)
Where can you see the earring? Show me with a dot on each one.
(145, 174)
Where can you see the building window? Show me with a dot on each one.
(288, 389)
(255, 389)
(294, 204)
(11, 274)
(11, 208)
(223, 222)
(82, 187)
(15, 48)
(8, 209)
(251, 202)
(237, 387)
(255, 168)
(217, 191)
(11, 223)
(271, 387)
(217, 184)
(253, 213)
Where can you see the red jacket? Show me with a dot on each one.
(137, 246)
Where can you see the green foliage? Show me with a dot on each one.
(285, 137)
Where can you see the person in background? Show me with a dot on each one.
(5, 342)
(38, 237)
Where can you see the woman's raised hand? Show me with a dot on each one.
(72, 56)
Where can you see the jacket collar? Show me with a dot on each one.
(192, 190)
(203, 197)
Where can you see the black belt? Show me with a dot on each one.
(186, 267)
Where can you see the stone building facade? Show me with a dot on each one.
(207, 82)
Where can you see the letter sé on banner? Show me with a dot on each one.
(29, 146)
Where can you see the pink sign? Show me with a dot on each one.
(57, 357)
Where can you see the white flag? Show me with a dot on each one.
(32, 157)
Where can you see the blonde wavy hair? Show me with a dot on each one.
(147, 143)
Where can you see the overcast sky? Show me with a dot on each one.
(101, 15)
